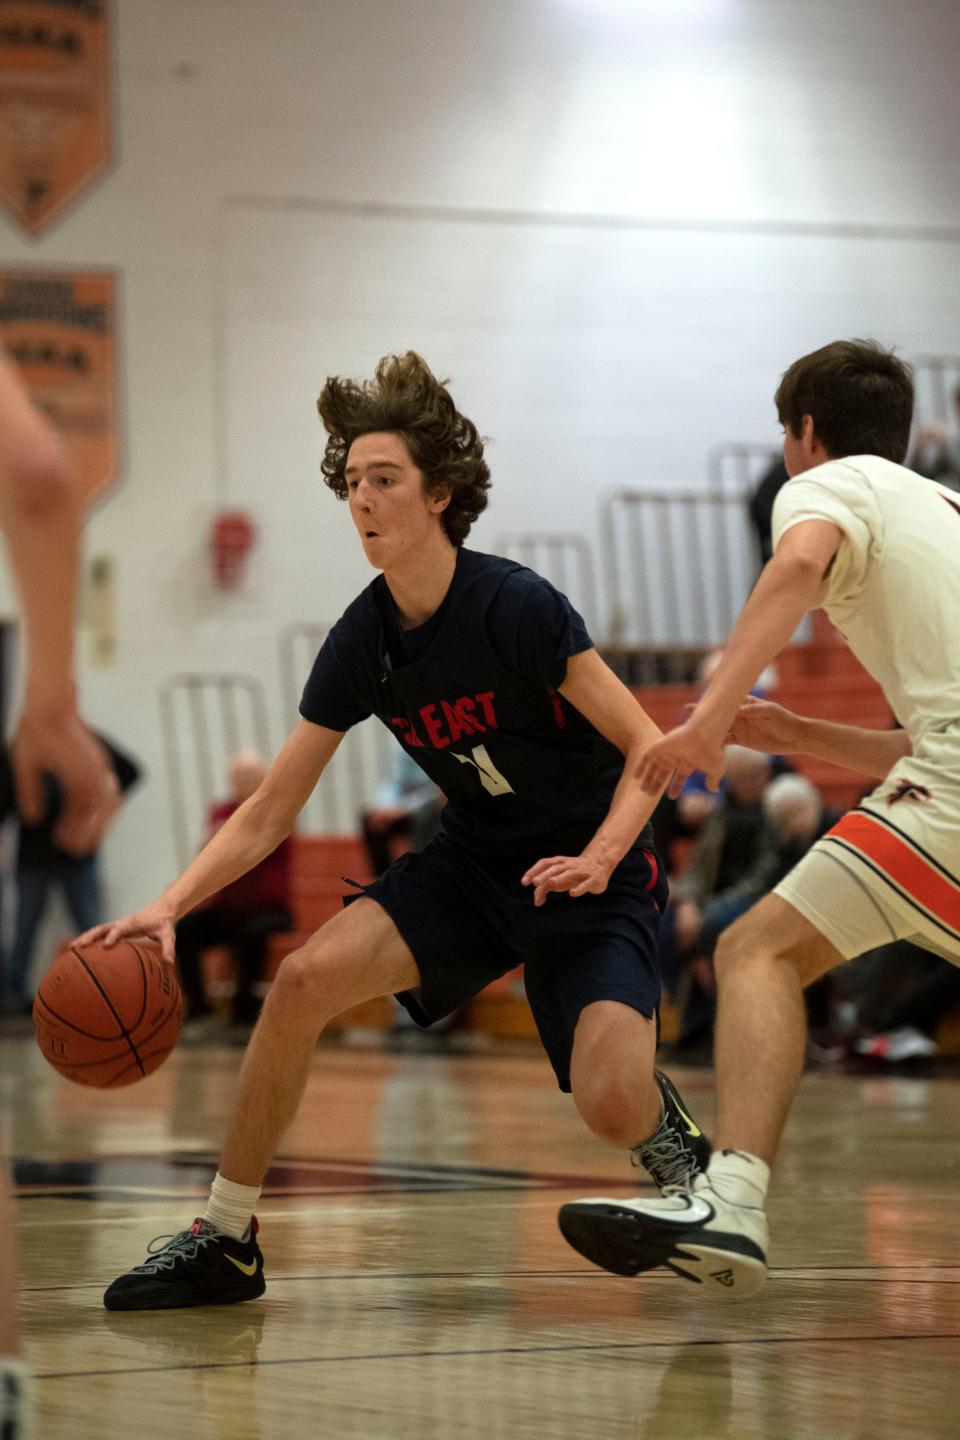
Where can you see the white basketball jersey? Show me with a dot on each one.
(893, 589)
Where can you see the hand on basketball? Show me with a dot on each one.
(669, 760)
(154, 922)
(571, 874)
(57, 742)
(762, 725)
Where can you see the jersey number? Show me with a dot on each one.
(490, 778)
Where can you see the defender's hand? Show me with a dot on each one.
(763, 725)
(676, 755)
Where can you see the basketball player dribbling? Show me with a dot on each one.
(486, 676)
(41, 513)
(879, 548)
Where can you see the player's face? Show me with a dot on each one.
(393, 514)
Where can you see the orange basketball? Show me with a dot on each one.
(108, 1017)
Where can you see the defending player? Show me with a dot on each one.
(878, 547)
(487, 677)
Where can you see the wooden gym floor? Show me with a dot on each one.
(418, 1286)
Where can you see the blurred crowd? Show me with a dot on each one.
(724, 851)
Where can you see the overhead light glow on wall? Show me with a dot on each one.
(649, 10)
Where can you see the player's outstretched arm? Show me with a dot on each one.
(764, 725)
(787, 589)
(252, 832)
(606, 702)
(41, 513)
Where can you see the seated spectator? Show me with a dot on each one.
(726, 849)
(41, 865)
(405, 814)
(243, 915)
(793, 817)
(936, 451)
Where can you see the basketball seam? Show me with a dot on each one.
(110, 1004)
(105, 1060)
(115, 1076)
(87, 1034)
(177, 992)
(146, 988)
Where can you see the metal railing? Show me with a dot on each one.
(205, 719)
(351, 780)
(679, 561)
(565, 560)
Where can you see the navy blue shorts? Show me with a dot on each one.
(468, 920)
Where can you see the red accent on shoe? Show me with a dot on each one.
(254, 1226)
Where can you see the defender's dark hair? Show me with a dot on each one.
(860, 397)
(406, 398)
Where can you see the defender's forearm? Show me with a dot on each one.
(869, 752)
(780, 599)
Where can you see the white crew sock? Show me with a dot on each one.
(739, 1178)
(16, 1398)
(230, 1206)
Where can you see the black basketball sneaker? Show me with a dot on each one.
(677, 1151)
(200, 1266)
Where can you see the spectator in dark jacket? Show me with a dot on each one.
(760, 504)
(41, 865)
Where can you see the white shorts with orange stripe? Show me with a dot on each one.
(889, 870)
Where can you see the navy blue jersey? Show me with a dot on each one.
(472, 695)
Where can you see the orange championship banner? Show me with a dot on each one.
(60, 329)
(54, 104)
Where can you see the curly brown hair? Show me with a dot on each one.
(407, 399)
(860, 397)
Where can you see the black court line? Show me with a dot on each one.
(787, 1274)
(379, 1164)
(132, 1195)
(600, 1346)
(133, 1179)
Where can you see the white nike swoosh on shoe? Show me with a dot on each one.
(695, 1211)
(698, 1212)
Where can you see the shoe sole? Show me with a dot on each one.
(180, 1300)
(617, 1239)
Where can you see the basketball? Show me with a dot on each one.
(108, 1017)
